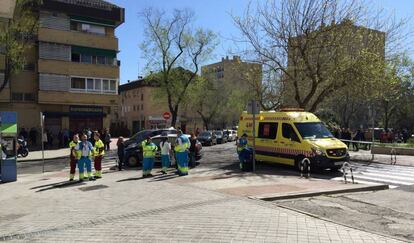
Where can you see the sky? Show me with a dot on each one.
(211, 14)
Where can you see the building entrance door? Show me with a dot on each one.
(53, 126)
(79, 124)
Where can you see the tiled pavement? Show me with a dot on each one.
(123, 208)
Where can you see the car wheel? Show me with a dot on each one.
(132, 161)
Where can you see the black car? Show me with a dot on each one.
(133, 152)
(207, 138)
(220, 137)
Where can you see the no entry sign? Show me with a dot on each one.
(166, 115)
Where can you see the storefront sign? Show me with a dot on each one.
(89, 109)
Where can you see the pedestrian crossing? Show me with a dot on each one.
(376, 174)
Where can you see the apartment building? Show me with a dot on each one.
(141, 107)
(72, 72)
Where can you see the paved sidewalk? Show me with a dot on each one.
(55, 153)
(364, 155)
(121, 207)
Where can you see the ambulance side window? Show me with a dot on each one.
(267, 130)
(289, 133)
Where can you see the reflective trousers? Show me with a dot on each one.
(97, 164)
(165, 160)
(182, 162)
(81, 165)
(147, 165)
(73, 162)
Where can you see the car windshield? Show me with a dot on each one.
(205, 134)
(312, 130)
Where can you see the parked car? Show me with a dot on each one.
(207, 138)
(133, 150)
(231, 134)
(133, 153)
(221, 138)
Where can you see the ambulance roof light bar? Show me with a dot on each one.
(291, 109)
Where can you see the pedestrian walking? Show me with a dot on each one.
(73, 156)
(98, 152)
(148, 150)
(181, 147)
(85, 150)
(121, 152)
(193, 142)
(165, 154)
(107, 139)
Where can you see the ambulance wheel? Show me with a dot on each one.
(297, 162)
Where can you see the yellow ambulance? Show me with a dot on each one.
(290, 135)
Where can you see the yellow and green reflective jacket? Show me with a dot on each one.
(99, 148)
(149, 150)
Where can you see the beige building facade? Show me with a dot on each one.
(72, 72)
(140, 107)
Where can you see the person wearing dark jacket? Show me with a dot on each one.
(121, 152)
(193, 142)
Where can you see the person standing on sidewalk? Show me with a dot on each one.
(165, 154)
(193, 142)
(107, 139)
(121, 152)
(73, 156)
(148, 152)
(181, 152)
(84, 149)
(98, 152)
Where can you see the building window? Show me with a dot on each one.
(90, 84)
(142, 107)
(142, 97)
(98, 84)
(100, 60)
(78, 83)
(29, 97)
(88, 28)
(29, 67)
(75, 57)
(23, 96)
(86, 58)
(17, 96)
(95, 85)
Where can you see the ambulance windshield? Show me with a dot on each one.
(313, 130)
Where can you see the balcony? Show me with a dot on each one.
(78, 69)
(77, 38)
(69, 98)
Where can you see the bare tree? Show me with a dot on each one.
(310, 45)
(171, 42)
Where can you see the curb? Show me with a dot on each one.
(318, 193)
(377, 162)
(33, 160)
(339, 223)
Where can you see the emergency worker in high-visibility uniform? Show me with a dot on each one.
(241, 147)
(84, 151)
(98, 152)
(181, 152)
(74, 154)
(148, 151)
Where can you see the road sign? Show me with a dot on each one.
(253, 107)
(166, 115)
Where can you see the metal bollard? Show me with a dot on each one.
(302, 166)
(393, 159)
(344, 168)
